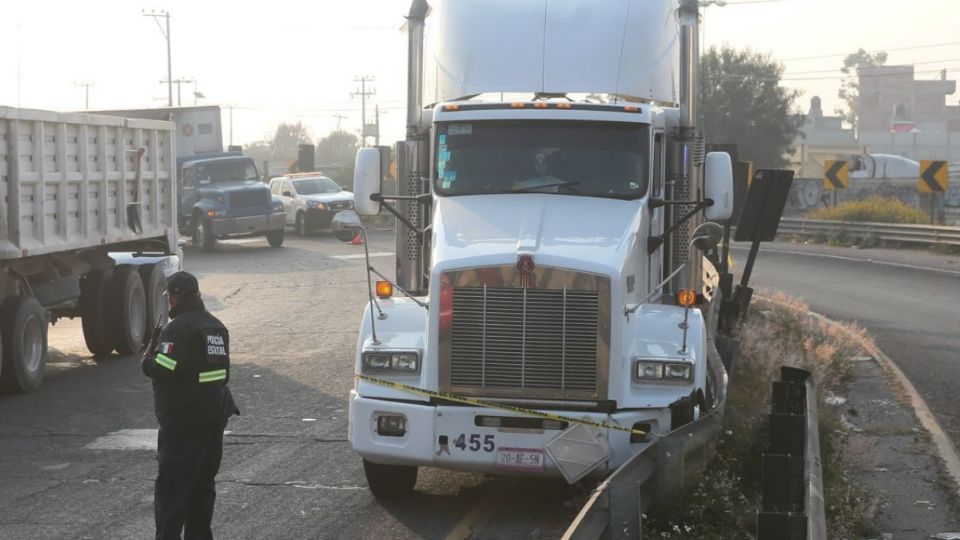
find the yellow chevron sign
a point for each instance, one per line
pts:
(934, 176)
(836, 174)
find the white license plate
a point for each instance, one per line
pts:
(520, 459)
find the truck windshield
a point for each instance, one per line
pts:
(228, 170)
(595, 159)
(312, 186)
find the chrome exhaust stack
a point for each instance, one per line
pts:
(413, 166)
(689, 150)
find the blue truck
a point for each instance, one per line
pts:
(220, 194)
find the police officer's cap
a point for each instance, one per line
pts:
(183, 283)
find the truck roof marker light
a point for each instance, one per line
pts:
(518, 105)
(564, 106)
(687, 297)
(631, 108)
(541, 105)
(451, 107)
(384, 289)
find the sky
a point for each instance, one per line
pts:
(289, 61)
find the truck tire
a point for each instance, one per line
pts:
(128, 310)
(275, 238)
(300, 227)
(203, 234)
(390, 481)
(93, 311)
(154, 285)
(24, 328)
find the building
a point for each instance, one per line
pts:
(902, 115)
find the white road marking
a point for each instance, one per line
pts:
(361, 255)
(126, 439)
(854, 259)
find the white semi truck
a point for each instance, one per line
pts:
(79, 193)
(548, 272)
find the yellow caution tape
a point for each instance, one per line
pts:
(495, 405)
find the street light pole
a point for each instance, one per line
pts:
(166, 34)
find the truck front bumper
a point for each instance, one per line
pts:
(428, 427)
(250, 225)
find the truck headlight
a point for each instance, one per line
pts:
(216, 213)
(662, 370)
(278, 207)
(391, 362)
(316, 205)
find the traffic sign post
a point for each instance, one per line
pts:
(934, 179)
(836, 174)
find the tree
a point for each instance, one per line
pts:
(283, 147)
(850, 86)
(743, 103)
(337, 152)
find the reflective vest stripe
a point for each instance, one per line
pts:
(210, 376)
(165, 361)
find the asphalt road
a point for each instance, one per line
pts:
(908, 300)
(77, 457)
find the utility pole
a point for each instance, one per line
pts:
(376, 136)
(156, 15)
(339, 117)
(179, 82)
(86, 87)
(364, 94)
(231, 123)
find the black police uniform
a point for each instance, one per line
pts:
(190, 368)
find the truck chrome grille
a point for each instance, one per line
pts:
(525, 341)
(249, 199)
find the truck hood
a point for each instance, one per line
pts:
(584, 233)
(233, 187)
(329, 197)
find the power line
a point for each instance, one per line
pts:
(838, 55)
(891, 65)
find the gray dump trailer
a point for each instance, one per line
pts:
(77, 193)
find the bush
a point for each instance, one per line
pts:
(876, 209)
(723, 504)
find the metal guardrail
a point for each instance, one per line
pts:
(918, 234)
(656, 474)
(791, 472)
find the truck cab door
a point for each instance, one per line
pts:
(658, 159)
(290, 202)
(188, 191)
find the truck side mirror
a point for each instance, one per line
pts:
(718, 185)
(287, 194)
(367, 181)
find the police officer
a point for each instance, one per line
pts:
(189, 362)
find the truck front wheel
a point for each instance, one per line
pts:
(275, 238)
(390, 481)
(203, 234)
(24, 328)
(128, 309)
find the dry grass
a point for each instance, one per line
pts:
(875, 209)
(778, 332)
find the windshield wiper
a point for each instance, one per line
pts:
(536, 189)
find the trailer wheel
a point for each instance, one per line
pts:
(275, 238)
(128, 310)
(154, 285)
(390, 481)
(24, 329)
(94, 289)
(203, 234)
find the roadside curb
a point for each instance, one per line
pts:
(945, 448)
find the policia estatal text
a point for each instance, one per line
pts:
(189, 362)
